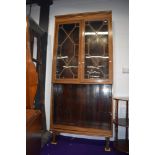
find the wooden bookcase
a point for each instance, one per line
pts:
(82, 75)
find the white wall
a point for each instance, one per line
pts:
(120, 15)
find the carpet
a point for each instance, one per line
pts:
(78, 146)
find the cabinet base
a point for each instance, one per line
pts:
(82, 131)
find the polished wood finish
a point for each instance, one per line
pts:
(82, 19)
(79, 104)
(37, 33)
(86, 15)
(33, 132)
(85, 106)
(121, 144)
(121, 98)
(33, 117)
(31, 74)
(81, 130)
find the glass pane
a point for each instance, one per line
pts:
(67, 51)
(96, 50)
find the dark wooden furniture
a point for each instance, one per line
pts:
(33, 117)
(38, 35)
(33, 132)
(82, 75)
(121, 144)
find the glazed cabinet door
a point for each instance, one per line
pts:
(83, 49)
(97, 51)
(67, 52)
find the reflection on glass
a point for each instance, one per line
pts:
(96, 33)
(96, 50)
(67, 51)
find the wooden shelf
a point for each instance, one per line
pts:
(122, 122)
(121, 98)
(122, 145)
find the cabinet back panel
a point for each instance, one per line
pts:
(83, 105)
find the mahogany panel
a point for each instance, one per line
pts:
(81, 105)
